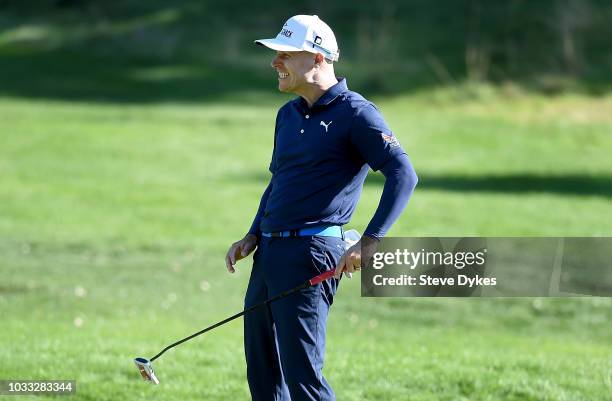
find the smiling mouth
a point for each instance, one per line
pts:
(282, 75)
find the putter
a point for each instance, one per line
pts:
(145, 366)
(146, 370)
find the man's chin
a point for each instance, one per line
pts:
(284, 86)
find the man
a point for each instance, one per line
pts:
(324, 142)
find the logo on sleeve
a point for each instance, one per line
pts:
(391, 140)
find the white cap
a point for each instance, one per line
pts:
(305, 33)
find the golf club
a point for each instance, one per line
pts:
(145, 366)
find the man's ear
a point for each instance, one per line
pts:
(319, 59)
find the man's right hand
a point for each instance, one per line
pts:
(240, 250)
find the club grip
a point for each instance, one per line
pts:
(322, 277)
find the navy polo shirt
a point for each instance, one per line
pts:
(321, 157)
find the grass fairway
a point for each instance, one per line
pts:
(115, 216)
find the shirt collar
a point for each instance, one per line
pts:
(330, 95)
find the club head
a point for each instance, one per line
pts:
(146, 370)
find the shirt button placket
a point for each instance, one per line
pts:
(307, 116)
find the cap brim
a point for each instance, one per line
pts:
(277, 45)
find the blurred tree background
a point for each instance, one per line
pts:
(386, 46)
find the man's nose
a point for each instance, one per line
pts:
(274, 63)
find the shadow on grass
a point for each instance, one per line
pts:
(95, 75)
(80, 76)
(572, 184)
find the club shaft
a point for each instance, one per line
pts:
(237, 315)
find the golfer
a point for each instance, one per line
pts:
(325, 140)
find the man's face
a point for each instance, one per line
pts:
(295, 70)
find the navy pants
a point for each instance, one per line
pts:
(285, 342)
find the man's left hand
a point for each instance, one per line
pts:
(352, 258)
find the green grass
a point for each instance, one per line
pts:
(115, 216)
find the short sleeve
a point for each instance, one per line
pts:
(373, 138)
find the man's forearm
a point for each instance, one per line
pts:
(400, 180)
(260, 211)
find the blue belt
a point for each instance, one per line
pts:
(324, 231)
